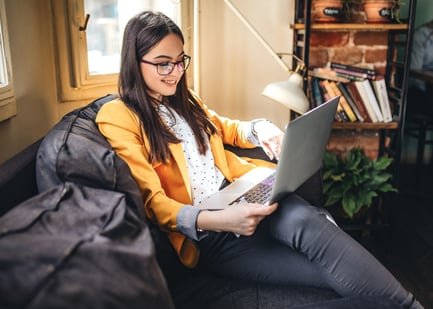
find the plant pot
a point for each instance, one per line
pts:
(378, 11)
(327, 11)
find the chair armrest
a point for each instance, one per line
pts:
(18, 178)
(310, 190)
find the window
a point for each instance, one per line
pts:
(88, 34)
(7, 95)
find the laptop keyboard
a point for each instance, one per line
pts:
(259, 194)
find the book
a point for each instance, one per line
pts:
(353, 91)
(370, 73)
(369, 99)
(325, 94)
(381, 91)
(309, 92)
(350, 101)
(340, 115)
(365, 102)
(316, 93)
(352, 75)
(343, 102)
(349, 76)
(325, 73)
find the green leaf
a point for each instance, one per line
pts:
(382, 163)
(355, 180)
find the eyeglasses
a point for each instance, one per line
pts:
(165, 68)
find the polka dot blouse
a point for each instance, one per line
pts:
(205, 178)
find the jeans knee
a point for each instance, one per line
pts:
(296, 219)
(293, 213)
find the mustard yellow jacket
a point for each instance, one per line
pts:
(166, 187)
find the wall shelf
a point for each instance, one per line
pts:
(365, 126)
(351, 26)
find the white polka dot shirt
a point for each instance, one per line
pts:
(205, 178)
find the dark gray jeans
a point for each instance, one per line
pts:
(300, 245)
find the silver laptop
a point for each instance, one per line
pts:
(304, 145)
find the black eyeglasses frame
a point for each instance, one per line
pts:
(171, 65)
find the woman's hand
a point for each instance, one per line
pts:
(241, 218)
(270, 137)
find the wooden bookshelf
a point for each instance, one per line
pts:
(351, 26)
(365, 125)
(396, 63)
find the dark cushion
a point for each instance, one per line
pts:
(78, 247)
(17, 178)
(74, 150)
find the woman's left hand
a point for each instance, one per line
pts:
(270, 137)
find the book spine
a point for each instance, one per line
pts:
(328, 74)
(381, 91)
(353, 91)
(326, 96)
(363, 94)
(349, 77)
(335, 65)
(310, 92)
(340, 115)
(351, 73)
(350, 101)
(316, 91)
(372, 99)
(343, 102)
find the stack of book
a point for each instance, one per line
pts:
(363, 93)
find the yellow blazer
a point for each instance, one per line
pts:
(166, 187)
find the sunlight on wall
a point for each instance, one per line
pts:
(234, 66)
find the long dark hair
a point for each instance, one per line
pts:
(143, 32)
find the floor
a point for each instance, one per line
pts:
(406, 248)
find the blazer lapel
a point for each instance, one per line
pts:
(179, 157)
(219, 156)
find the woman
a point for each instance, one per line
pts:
(173, 145)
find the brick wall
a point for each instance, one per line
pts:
(341, 141)
(354, 47)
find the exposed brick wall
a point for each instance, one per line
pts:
(363, 48)
(341, 141)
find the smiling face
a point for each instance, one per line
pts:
(169, 49)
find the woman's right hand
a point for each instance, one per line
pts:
(242, 218)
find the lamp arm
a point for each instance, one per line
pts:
(258, 36)
(300, 68)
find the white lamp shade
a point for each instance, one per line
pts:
(289, 93)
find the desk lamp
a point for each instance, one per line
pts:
(289, 92)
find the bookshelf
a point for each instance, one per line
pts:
(396, 72)
(397, 38)
(350, 26)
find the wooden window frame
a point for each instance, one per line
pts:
(74, 83)
(8, 107)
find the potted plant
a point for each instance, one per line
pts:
(354, 181)
(327, 10)
(332, 10)
(382, 11)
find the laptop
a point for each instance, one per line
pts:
(303, 147)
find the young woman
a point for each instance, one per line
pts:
(173, 145)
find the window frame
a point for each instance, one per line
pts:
(74, 82)
(8, 107)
